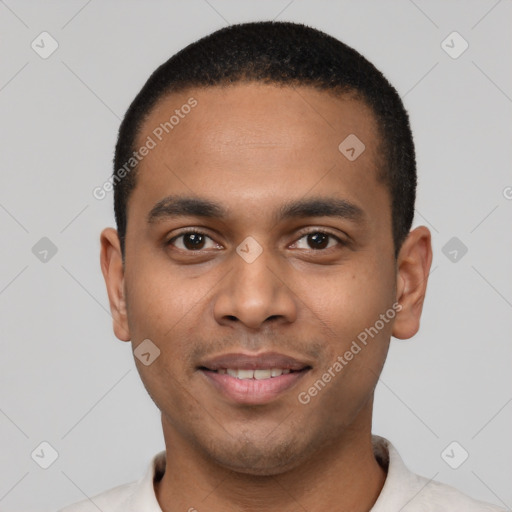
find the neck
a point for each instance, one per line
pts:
(342, 476)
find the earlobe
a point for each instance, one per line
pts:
(113, 272)
(413, 267)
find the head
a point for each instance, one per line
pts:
(291, 159)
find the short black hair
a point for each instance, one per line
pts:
(281, 53)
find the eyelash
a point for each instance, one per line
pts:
(301, 235)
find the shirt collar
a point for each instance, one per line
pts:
(144, 497)
(400, 486)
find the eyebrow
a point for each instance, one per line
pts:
(179, 206)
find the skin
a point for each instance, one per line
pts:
(252, 147)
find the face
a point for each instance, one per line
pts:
(257, 256)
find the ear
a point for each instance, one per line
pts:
(413, 267)
(113, 272)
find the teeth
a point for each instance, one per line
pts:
(245, 374)
(262, 374)
(254, 374)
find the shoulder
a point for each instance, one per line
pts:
(444, 498)
(134, 496)
(112, 500)
(406, 491)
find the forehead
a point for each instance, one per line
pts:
(255, 144)
(257, 114)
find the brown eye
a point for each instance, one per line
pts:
(191, 241)
(318, 240)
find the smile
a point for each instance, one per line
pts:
(252, 379)
(240, 373)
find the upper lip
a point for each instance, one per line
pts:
(261, 361)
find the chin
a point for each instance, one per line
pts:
(261, 457)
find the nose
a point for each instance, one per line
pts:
(255, 293)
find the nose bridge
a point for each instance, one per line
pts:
(253, 277)
(253, 291)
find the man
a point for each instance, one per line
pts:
(264, 193)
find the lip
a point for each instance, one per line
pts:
(253, 391)
(254, 361)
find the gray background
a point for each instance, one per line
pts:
(65, 378)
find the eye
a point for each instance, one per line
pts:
(319, 240)
(192, 240)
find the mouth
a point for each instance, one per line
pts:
(253, 379)
(259, 374)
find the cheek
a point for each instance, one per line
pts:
(161, 309)
(161, 300)
(167, 307)
(352, 299)
(358, 339)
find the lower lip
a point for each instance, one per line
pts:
(253, 391)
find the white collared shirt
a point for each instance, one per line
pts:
(403, 490)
